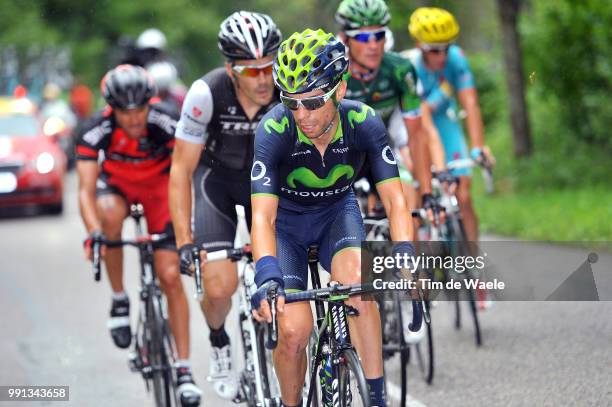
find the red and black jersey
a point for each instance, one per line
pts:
(126, 159)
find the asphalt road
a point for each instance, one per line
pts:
(52, 332)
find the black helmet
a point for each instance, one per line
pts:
(248, 35)
(127, 87)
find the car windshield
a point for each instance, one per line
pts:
(18, 125)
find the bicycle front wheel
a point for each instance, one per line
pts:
(352, 388)
(163, 383)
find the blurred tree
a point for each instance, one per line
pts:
(568, 49)
(508, 14)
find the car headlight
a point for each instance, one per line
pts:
(45, 163)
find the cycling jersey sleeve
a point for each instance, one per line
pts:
(460, 75)
(408, 81)
(196, 114)
(94, 137)
(272, 142)
(371, 138)
(162, 124)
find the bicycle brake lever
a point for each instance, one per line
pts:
(272, 328)
(199, 294)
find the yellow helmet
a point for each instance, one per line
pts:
(432, 25)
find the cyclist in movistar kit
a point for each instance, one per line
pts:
(445, 75)
(214, 144)
(308, 152)
(385, 80)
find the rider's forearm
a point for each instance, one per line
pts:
(87, 207)
(179, 195)
(434, 145)
(399, 222)
(474, 125)
(420, 157)
(263, 236)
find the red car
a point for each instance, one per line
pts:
(32, 165)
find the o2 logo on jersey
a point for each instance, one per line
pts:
(258, 171)
(387, 156)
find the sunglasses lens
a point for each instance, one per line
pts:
(290, 103)
(437, 50)
(365, 36)
(314, 103)
(252, 72)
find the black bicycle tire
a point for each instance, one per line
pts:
(459, 232)
(312, 373)
(428, 373)
(352, 366)
(404, 349)
(158, 358)
(170, 349)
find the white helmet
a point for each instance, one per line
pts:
(389, 40)
(164, 74)
(152, 38)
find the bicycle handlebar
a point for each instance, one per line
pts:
(96, 247)
(469, 163)
(234, 254)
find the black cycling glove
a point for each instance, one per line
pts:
(186, 253)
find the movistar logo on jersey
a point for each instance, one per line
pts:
(359, 117)
(309, 179)
(278, 127)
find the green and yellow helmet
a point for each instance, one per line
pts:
(309, 60)
(353, 14)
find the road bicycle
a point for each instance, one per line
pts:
(258, 384)
(400, 346)
(335, 375)
(153, 351)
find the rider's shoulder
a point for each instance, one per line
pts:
(277, 120)
(217, 79)
(102, 119)
(359, 115)
(456, 54)
(162, 110)
(395, 59)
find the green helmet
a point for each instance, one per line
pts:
(309, 60)
(354, 14)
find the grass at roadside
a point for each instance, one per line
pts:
(561, 193)
(568, 215)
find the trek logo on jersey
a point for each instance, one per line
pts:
(238, 126)
(309, 179)
(340, 150)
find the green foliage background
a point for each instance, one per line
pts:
(566, 53)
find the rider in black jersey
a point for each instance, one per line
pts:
(214, 144)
